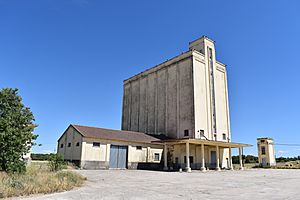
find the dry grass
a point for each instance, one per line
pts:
(38, 179)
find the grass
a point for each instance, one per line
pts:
(38, 179)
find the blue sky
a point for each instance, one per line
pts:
(69, 58)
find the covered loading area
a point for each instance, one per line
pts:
(214, 156)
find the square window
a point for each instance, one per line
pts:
(96, 144)
(69, 144)
(61, 145)
(77, 144)
(138, 147)
(156, 157)
(186, 132)
(201, 132)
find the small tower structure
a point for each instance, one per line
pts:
(266, 152)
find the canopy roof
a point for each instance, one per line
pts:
(205, 142)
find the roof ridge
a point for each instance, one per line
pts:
(109, 129)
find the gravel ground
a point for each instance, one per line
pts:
(137, 184)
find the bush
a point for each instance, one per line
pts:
(16, 166)
(56, 162)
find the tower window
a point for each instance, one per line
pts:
(69, 144)
(61, 145)
(201, 133)
(77, 144)
(263, 150)
(224, 136)
(186, 132)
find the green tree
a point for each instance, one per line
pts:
(56, 162)
(16, 131)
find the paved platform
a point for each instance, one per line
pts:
(136, 184)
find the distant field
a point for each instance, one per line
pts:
(38, 179)
(279, 165)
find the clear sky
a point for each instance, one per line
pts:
(69, 58)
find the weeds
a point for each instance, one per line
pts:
(38, 179)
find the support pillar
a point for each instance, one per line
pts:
(187, 151)
(230, 159)
(203, 159)
(165, 157)
(218, 159)
(241, 158)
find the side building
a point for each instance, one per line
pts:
(98, 148)
(266, 152)
(186, 99)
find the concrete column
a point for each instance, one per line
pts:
(148, 154)
(187, 151)
(218, 159)
(165, 157)
(107, 155)
(230, 160)
(241, 159)
(203, 159)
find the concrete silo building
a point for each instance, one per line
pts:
(186, 100)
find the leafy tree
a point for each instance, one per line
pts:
(16, 131)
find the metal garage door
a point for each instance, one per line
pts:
(118, 157)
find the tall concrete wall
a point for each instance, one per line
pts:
(161, 102)
(222, 104)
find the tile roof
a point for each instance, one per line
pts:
(110, 134)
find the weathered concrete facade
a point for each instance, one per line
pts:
(182, 97)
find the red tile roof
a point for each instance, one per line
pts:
(110, 134)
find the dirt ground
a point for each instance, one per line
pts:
(137, 184)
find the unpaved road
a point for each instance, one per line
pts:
(136, 184)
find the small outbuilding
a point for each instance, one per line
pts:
(266, 152)
(100, 148)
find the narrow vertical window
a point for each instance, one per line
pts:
(186, 132)
(263, 150)
(224, 136)
(156, 157)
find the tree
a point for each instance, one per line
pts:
(16, 131)
(56, 162)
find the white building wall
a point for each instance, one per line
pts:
(201, 105)
(221, 104)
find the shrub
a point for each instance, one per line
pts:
(56, 162)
